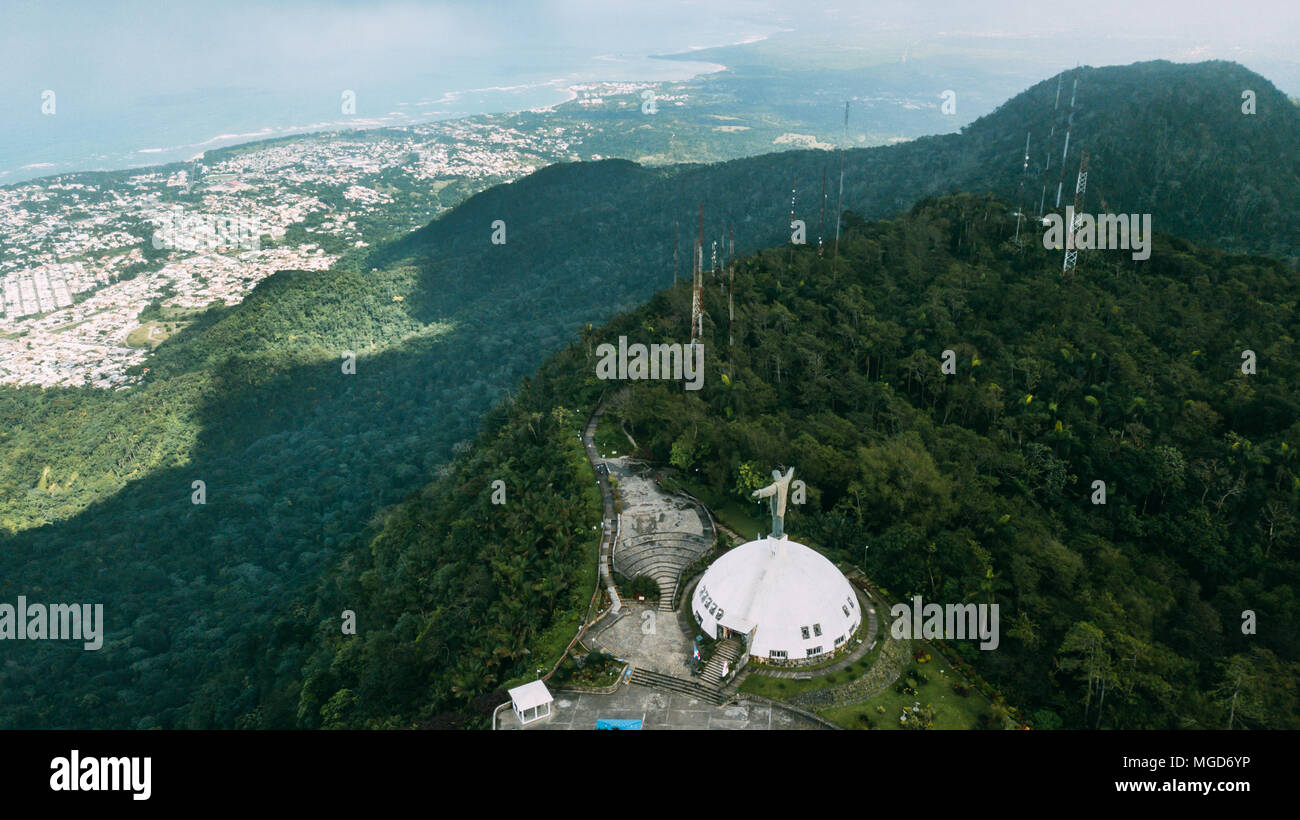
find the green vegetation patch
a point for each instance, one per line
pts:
(932, 690)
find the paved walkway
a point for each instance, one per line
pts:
(609, 521)
(659, 710)
(648, 639)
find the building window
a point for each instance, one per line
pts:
(840, 640)
(850, 600)
(846, 612)
(777, 653)
(804, 630)
(816, 650)
(817, 630)
(698, 617)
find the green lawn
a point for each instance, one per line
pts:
(746, 519)
(951, 711)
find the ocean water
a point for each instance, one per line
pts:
(140, 83)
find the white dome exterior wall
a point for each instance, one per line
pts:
(782, 587)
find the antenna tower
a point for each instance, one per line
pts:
(675, 231)
(1071, 248)
(839, 202)
(821, 221)
(1069, 123)
(1020, 206)
(731, 292)
(790, 257)
(1047, 146)
(697, 285)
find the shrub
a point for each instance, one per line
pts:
(646, 586)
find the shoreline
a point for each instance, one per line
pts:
(270, 134)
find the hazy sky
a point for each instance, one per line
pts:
(181, 43)
(146, 76)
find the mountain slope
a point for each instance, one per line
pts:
(974, 487)
(1166, 139)
(299, 457)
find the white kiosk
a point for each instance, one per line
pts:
(531, 702)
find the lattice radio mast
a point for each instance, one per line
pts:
(675, 241)
(731, 293)
(821, 221)
(697, 285)
(1020, 205)
(1047, 166)
(839, 202)
(1069, 123)
(793, 182)
(1071, 248)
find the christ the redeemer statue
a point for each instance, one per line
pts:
(778, 491)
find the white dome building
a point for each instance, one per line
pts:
(789, 603)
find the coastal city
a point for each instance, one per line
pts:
(84, 255)
(98, 268)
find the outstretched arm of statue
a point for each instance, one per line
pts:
(767, 491)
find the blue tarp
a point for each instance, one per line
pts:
(612, 723)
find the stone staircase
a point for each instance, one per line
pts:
(725, 652)
(668, 683)
(667, 590)
(662, 556)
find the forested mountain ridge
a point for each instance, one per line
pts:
(1164, 138)
(973, 487)
(299, 458)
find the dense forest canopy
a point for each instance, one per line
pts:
(971, 487)
(303, 463)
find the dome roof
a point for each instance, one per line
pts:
(794, 599)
